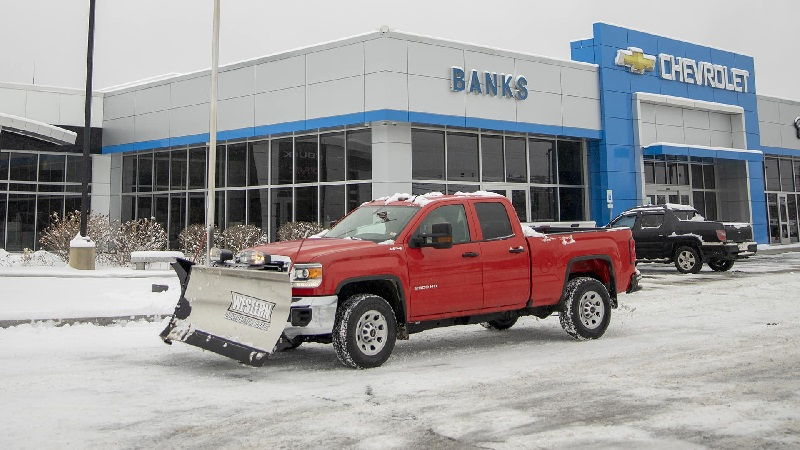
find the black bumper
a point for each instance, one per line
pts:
(728, 251)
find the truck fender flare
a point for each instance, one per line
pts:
(612, 276)
(398, 286)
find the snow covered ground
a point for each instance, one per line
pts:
(706, 360)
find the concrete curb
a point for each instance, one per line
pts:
(101, 321)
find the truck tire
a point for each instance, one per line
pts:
(688, 260)
(585, 309)
(364, 332)
(720, 265)
(500, 324)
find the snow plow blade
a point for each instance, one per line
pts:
(233, 311)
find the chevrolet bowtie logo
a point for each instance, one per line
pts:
(635, 59)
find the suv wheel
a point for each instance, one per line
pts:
(720, 265)
(688, 260)
(364, 332)
(585, 310)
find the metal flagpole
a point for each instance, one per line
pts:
(212, 129)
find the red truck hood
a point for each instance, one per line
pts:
(310, 250)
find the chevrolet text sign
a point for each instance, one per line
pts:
(686, 70)
(488, 83)
(703, 73)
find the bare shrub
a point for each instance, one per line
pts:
(138, 235)
(240, 237)
(298, 230)
(192, 241)
(62, 229)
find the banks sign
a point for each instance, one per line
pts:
(685, 70)
(488, 83)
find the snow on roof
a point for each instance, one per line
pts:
(424, 199)
(672, 206)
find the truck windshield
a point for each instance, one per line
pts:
(373, 223)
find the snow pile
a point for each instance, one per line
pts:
(387, 242)
(528, 231)
(29, 259)
(479, 194)
(81, 242)
(319, 235)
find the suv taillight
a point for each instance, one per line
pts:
(632, 249)
(722, 236)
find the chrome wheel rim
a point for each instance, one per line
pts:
(371, 332)
(592, 309)
(686, 260)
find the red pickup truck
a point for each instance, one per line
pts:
(400, 265)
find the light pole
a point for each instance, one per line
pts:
(212, 130)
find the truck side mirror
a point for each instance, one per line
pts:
(441, 236)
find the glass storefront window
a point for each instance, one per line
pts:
(424, 188)
(258, 164)
(161, 209)
(359, 154)
(492, 158)
(237, 165)
(219, 173)
(46, 206)
(280, 210)
(20, 228)
(543, 204)
(281, 161)
(796, 174)
(427, 159)
(771, 175)
(219, 209)
(709, 179)
(787, 177)
(258, 207)
(144, 170)
(236, 202)
(649, 172)
(462, 157)
(331, 157)
(161, 167)
(197, 168)
(454, 188)
(305, 200)
(332, 200)
(516, 164)
(23, 166)
(305, 154)
(570, 203)
(127, 208)
(177, 217)
(129, 173)
(774, 224)
(3, 168)
(197, 208)
(3, 208)
(542, 161)
(697, 176)
(144, 207)
(570, 163)
(178, 170)
(52, 168)
(358, 194)
(660, 169)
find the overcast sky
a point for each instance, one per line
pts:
(44, 41)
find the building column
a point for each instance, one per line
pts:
(391, 158)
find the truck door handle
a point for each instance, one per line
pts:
(519, 249)
(469, 254)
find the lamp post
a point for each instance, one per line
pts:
(82, 250)
(212, 129)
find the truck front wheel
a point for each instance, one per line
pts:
(585, 310)
(720, 265)
(364, 332)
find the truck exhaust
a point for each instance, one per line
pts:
(235, 311)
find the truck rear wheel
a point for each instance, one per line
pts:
(585, 310)
(500, 324)
(364, 332)
(720, 265)
(688, 260)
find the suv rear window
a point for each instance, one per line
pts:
(494, 220)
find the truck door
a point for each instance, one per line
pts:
(650, 236)
(504, 255)
(445, 280)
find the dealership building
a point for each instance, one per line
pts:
(309, 134)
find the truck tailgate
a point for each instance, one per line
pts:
(738, 232)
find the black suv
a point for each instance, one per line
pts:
(678, 234)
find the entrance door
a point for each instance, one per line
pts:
(660, 195)
(518, 197)
(783, 215)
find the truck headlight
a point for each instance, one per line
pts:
(307, 275)
(252, 258)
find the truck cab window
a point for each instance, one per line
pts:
(494, 220)
(651, 220)
(455, 215)
(624, 221)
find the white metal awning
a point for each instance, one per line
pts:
(37, 130)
